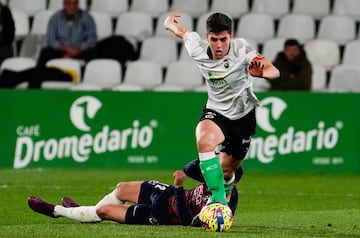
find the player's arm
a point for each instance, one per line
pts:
(183, 208)
(260, 66)
(171, 24)
(192, 170)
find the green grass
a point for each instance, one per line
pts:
(271, 204)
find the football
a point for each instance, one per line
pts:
(216, 217)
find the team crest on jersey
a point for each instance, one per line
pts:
(226, 64)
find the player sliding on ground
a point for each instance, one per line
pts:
(228, 118)
(153, 202)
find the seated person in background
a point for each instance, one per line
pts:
(295, 69)
(7, 33)
(71, 34)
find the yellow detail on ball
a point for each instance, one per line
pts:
(216, 217)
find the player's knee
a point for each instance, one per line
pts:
(120, 188)
(205, 144)
(103, 211)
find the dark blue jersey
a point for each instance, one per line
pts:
(173, 206)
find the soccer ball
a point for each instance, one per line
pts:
(216, 217)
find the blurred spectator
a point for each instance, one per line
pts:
(295, 69)
(7, 33)
(71, 34)
(35, 76)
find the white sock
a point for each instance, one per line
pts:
(82, 213)
(207, 156)
(230, 181)
(109, 199)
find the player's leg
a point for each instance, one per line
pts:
(208, 136)
(82, 213)
(229, 165)
(237, 145)
(134, 214)
(112, 212)
(128, 191)
(124, 192)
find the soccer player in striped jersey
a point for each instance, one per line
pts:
(228, 118)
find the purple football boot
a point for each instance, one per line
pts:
(40, 206)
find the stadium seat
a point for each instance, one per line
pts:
(30, 7)
(40, 22)
(100, 74)
(184, 55)
(200, 26)
(58, 4)
(181, 76)
(345, 78)
(203, 88)
(234, 8)
(352, 53)
(319, 78)
(152, 7)
(141, 75)
(307, 7)
(339, 28)
(257, 26)
(63, 63)
(32, 45)
(162, 50)
(298, 26)
(18, 64)
(136, 25)
(275, 8)
(104, 25)
(185, 20)
(347, 7)
(323, 52)
(254, 44)
(193, 8)
(22, 23)
(112, 7)
(272, 47)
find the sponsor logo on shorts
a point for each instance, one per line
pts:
(210, 115)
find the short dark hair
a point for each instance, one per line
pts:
(292, 42)
(218, 22)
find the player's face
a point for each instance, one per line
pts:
(71, 7)
(219, 43)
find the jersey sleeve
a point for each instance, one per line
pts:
(244, 49)
(184, 210)
(194, 45)
(192, 170)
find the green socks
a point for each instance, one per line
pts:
(214, 177)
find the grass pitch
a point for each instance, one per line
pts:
(271, 204)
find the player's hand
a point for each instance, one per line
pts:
(171, 24)
(256, 69)
(171, 20)
(179, 177)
